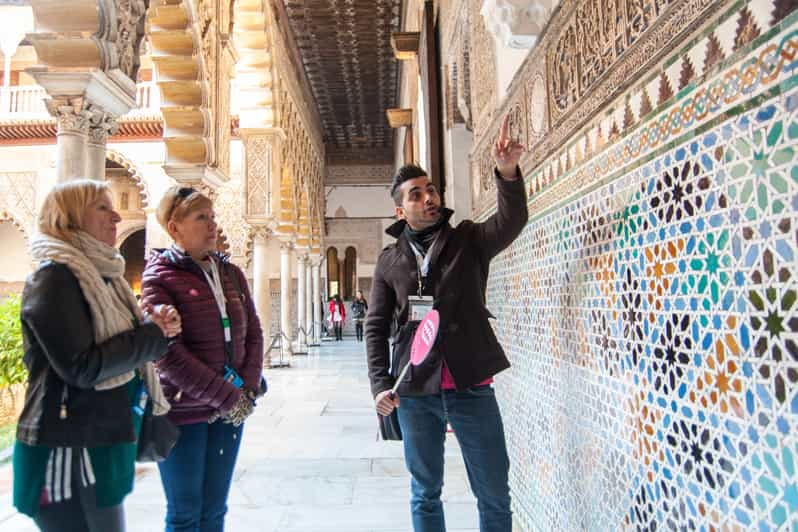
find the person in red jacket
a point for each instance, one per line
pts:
(212, 370)
(337, 316)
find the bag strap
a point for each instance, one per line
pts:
(236, 284)
(228, 355)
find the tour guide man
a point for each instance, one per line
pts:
(433, 265)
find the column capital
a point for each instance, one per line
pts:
(101, 125)
(261, 232)
(71, 113)
(516, 23)
(286, 246)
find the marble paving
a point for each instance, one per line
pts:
(309, 461)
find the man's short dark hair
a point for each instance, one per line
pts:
(405, 173)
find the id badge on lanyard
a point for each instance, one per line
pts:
(419, 304)
(215, 282)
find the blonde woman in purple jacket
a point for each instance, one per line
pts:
(212, 371)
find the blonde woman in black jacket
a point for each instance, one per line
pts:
(88, 349)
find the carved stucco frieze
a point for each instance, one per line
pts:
(482, 57)
(591, 51)
(222, 110)
(597, 33)
(259, 176)
(129, 35)
(231, 218)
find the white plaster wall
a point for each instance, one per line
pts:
(39, 159)
(457, 146)
(359, 201)
(15, 262)
(508, 62)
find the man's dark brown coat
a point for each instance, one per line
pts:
(458, 276)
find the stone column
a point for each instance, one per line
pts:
(102, 125)
(316, 294)
(261, 289)
(285, 297)
(302, 338)
(309, 297)
(72, 136)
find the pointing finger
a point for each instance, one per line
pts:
(503, 130)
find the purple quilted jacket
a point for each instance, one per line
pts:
(192, 370)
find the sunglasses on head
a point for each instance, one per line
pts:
(182, 194)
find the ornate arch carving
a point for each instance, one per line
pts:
(6, 216)
(133, 172)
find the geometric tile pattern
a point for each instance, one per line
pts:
(652, 323)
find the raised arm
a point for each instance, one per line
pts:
(499, 231)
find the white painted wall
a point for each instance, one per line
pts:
(457, 146)
(359, 201)
(508, 61)
(15, 262)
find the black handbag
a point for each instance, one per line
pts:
(389, 426)
(157, 436)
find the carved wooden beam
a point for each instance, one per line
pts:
(399, 117)
(405, 44)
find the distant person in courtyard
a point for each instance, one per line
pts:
(359, 308)
(435, 265)
(212, 372)
(337, 316)
(88, 352)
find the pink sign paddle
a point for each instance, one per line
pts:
(423, 341)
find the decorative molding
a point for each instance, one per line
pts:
(359, 174)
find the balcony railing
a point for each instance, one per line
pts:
(28, 101)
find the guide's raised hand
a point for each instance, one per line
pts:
(506, 152)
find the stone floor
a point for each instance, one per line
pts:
(309, 461)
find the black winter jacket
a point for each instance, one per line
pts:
(64, 364)
(458, 277)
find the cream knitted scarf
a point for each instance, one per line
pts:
(113, 306)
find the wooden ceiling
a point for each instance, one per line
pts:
(345, 47)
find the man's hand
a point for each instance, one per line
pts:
(386, 402)
(506, 152)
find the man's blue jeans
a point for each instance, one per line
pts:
(475, 418)
(196, 476)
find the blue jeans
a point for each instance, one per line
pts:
(197, 474)
(475, 418)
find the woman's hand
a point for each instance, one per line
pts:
(166, 318)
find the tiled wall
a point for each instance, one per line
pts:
(650, 307)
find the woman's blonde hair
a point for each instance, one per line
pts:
(62, 212)
(178, 202)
